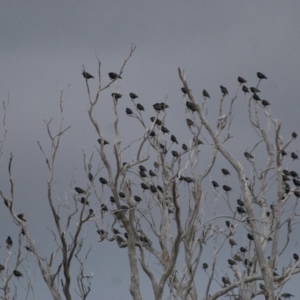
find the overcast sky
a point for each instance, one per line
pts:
(45, 43)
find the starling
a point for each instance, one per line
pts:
(190, 122)
(2, 268)
(197, 141)
(79, 190)
(17, 273)
(245, 89)
(232, 242)
(157, 107)
(248, 155)
(144, 186)
(236, 257)
(254, 90)
(101, 232)
(286, 172)
(296, 256)
(87, 75)
(285, 178)
(160, 188)
(157, 122)
(112, 199)
(175, 153)
(191, 106)
(294, 156)
(116, 231)
(189, 179)
(205, 266)
(184, 90)
(103, 180)
(143, 174)
(152, 174)
(275, 274)
(91, 177)
(153, 189)
(228, 224)
(133, 95)
(241, 80)
(121, 195)
(225, 172)
(129, 111)
(104, 142)
(156, 165)
(140, 106)
(261, 75)
(126, 235)
(227, 188)
(205, 94)
(268, 214)
(287, 295)
(296, 182)
(84, 201)
(116, 96)
(152, 133)
(142, 168)
(225, 280)
(250, 237)
(9, 241)
(215, 184)
(294, 135)
(124, 207)
(120, 240)
(21, 217)
(137, 199)
(163, 105)
(243, 250)
(240, 210)
(240, 202)
(91, 213)
(165, 129)
(173, 139)
(231, 262)
(283, 153)
(256, 97)
(104, 207)
(294, 174)
(113, 76)
(184, 147)
(265, 103)
(223, 90)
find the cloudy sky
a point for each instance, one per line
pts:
(44, 45)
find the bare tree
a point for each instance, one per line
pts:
(164, 208)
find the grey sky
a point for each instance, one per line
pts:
(44, 45)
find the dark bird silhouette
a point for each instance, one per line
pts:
(104, 142)
(287, 295)
(9, 241)
(248, 155)
(173, 139)
(204, 266)
(103, 180)
(184, 147)
(236, 257)
(190, 123)
(245, 89)
(241, 80)
(215, 184)
(152, 133)
(294, 156)
(157, 122)
(140, 107)
(137, 199)
(250, 237)
(268, 214)
(79, 190)
(243, 250)
(228, 224)
(294, 135)
(226, 281)
(143, 174)
(91, 213)
(254, 90)
(286, 172)
(285, 178)
(160, 188)
(223, 90)
(205, 94)
(160, 106)
(112, 199)
(120, 240)
(91, 177)
(133, 95)
(256, 97)
(231, 262)
(126, 235)
(116, 95)
(232, 242)
(156, 165)
(122, 195)
(227, 188)
(87, 75)
(164, 105)
(152, 174)
(265, 103)
(84, 201)
(225, 172)
(142, 168)
(175, 153)
(104, 207)
(153, 189)
(164, 129)
(18, 273)
(189, 179)
(240, 210)
(261, 75)
(184, 90)
(113, 75)
(124, 207)
(296, 256)
(294, 174)
(102, 232)
(116, 231)
(21, 217)
(2, 268)
(296, 182)
(129, 111)
(144, 186)
(240, 202)
(197, 141)
(191, 106)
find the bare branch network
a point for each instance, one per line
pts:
(195, 219)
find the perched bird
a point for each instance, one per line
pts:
(152, 133)
(296, 256)
(102, 232)
(21, 217)
(240, 202)
(87, 75)
(144, 186)
(143, 174)
(241, 80)
(104, 142)
(265, 103)
(164, 129)
(205, 94)
(157, 122)
(294, 135)
(137, 199)
(296, 182)
(285, 178)
(116, 95)
(223, 90)
(231, 262)
(189, 179)
(228, 224)
(254, 90)
(236, 257)
(197, 141)
(227, 188)
(225, 172)
(256, 97)
(250, 237)
(153, 189)
(156, 165)
(116, 231)
(240, 210)
(204, 266)
(128, 111)
(126, 235)
(245, 89)
(152, 174)
(163, 105)
(133, 95)
(248, 155)
(142, 168)
(104, 207)
(184, 147)
(294, 174)
(2, 268)
(18, 273)
(84, 201)
(286, 172)
(287, 295)
(120, 240)
(113, 75)
(243, 250)
(226, 281)
(214, 184)
(261, 75)
(112, 199)
(103, 180)
(190, 122)
(232, 242)
(91, 177)
(191, 106)
(184, 90)
(140, 106)
(9, 241)
(175, 153)
(79, 190)
(121, 195)
(173, 139)
(160, 188)
(91, 213)
(124, 207)
(294, 156)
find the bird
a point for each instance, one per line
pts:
(228, 224)
(91, 177)
(79, 190)
(160, 188)
(287, 295)
(18, 273)
(243, 250)
(113, 75)
(121, 195)
(173, 139)
(254, 90)
(91, 213)
(240, 202)
(140, 106)
(241, 80)
(175, 154)
(225, 280)
(296, 182)
(104, 207)
(143, 174)
(103, 180)
(126, 235)
(296, 256)
(112, 199)
(184, 90)
(214, 184)
(225, 172)
(286, 172)
(204, 266)
(128, 111)
(223, 90)
(144, 186)
(152, 133)
(240, 210)
(250, 237)
(191, 106)
(153, 189)
(84, 201)
(245, 89)
(189, 179)
(261, 75)
(157, 122)
(142, 168)
(156, 165)
(184, 147)
(248, 155)
(87, 75)
(256, 97)
(120, 240)
(152, 174)
(197, 141)
(265, 103)
(231, 262)
(294, 174)
(205, 94)
(294, 156)
(190, 122)
(104, 142)
(102, 232)
(9, 241)
(232, 242)
(133, 95)
(164, 129)
(21, 217)
(116, 96)
(236, 257)
(2, 268)
(285, 178)
(227, 188)
(294, 135)
(116, 231)
(137, 199)
(124, 207)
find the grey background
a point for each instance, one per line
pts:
(43, 47)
